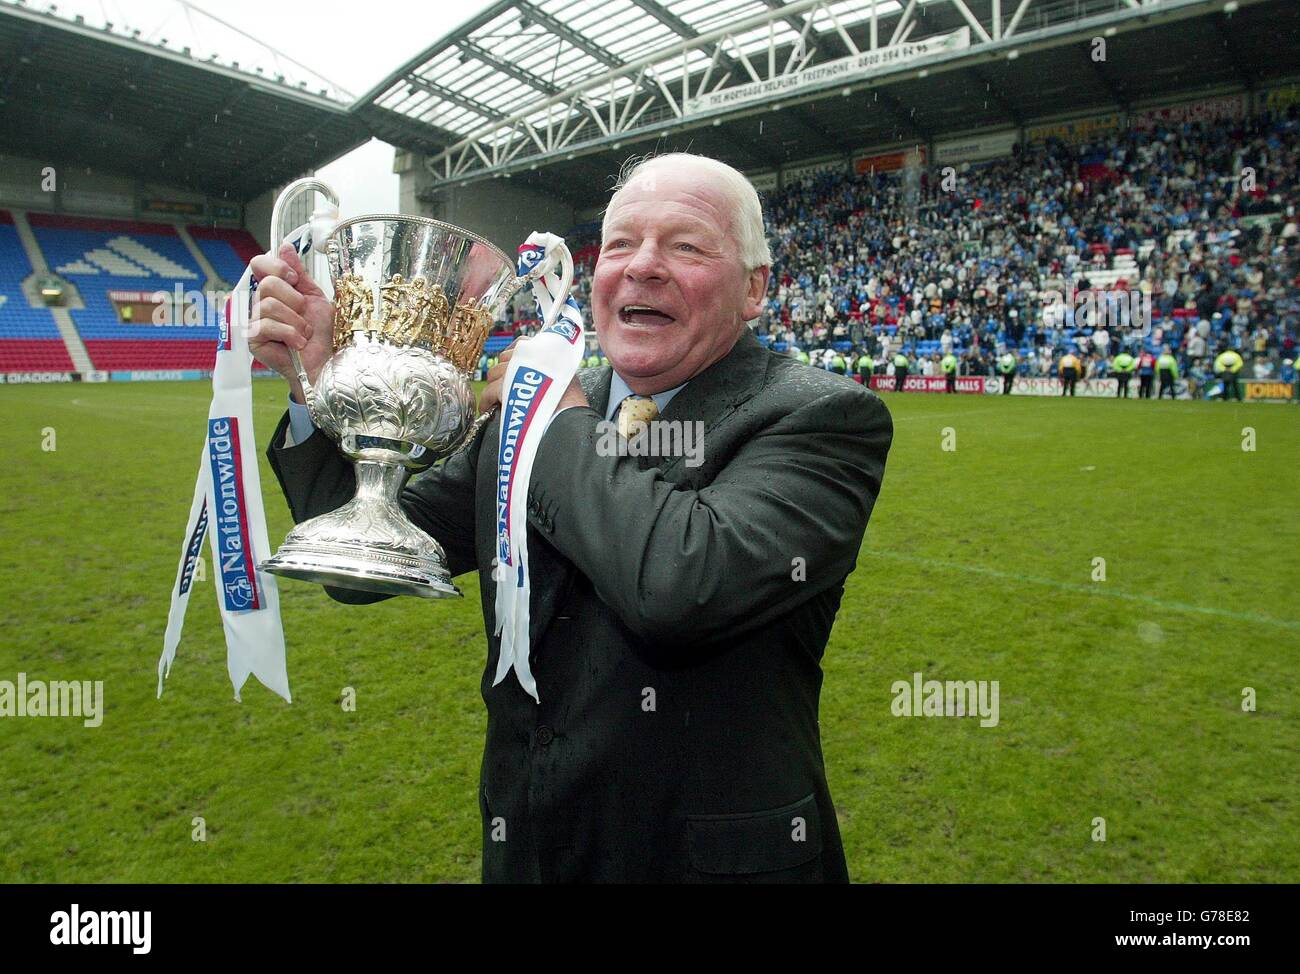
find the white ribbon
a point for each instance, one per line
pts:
(227, 507)
(537, 375)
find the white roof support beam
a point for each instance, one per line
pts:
(903, 21)
(975, 25)
(1015, 18)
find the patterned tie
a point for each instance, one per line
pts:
(634, 413)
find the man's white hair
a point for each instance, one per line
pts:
(746, 211)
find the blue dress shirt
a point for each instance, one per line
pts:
(301, 428)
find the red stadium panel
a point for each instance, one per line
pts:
(61, 221)
(117, 353)
(34, 355)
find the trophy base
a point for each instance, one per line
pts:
(368, 544)
(341, 568)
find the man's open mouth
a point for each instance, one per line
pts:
(643, 314)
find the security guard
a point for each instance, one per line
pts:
(1007, 366)
(864, 367)
(949, 366)
(1167, 367)
(838, 365)
(1070, 367)
(802, 356)
(1226, 367)
(1123, 367)
(900, 370)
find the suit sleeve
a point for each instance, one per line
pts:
(316, 479)
(685, 567)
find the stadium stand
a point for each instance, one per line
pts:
(228, 251)
(1154, 213)
(859, 266)
(29, 339)
(100, 256)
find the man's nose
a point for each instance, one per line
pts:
(646, 264)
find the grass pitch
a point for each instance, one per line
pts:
(1119, 699)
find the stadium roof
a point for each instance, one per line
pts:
(110, 98)
(556, 92)
(518, 54)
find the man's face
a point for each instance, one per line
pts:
(670, 291)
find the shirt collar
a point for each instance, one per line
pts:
(618, 391)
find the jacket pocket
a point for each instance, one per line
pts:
(756, 842)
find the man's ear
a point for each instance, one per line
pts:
(756, 290)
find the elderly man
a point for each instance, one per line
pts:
(679, 612)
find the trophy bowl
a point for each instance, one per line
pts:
(414, 300)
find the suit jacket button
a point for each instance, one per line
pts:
(545, 735)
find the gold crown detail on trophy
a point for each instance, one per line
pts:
(412, 312)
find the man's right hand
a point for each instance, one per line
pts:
(289, 311)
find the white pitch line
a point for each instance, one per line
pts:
(1088, 590)
(919, 416)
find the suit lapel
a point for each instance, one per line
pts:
(715, 393)
(595, 384)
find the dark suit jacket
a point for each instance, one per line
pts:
(676, 641)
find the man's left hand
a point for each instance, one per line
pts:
(573, 396)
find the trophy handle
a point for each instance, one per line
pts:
(322, 220)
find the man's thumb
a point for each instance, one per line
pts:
(289, 254)
(301, 279)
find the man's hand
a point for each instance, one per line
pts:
(289, 311)
(573, 396)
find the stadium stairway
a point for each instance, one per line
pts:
(228, 252)
(77, 350)
(1123, 267)
(200, 258)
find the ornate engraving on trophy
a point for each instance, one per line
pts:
(412, 312)
(353, 308)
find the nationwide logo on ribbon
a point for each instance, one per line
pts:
(566, 325)
(530, 255)
(226, 512)
(522, 399)
(537, 375)
(238, 575)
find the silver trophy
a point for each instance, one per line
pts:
(414, 300)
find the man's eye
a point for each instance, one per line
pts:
(687, 246)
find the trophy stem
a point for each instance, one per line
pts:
(379, 481)
(369, 543)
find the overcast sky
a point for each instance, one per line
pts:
(353, 43)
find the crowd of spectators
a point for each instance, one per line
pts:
(999, 256)
(1021, 254)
